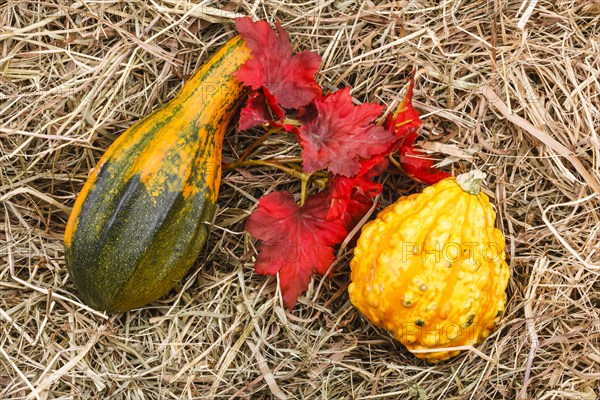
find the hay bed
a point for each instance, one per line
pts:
(510, 86)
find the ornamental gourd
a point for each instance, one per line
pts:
(431, 268)
(142, 217)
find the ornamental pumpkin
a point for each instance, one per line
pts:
(431, 268)
(142, 218)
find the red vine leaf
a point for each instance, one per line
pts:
(259, 110)
(351, 197)
(296, 241)
(340, 134)
(255, 112)
(289, 78)
(351, 210)
(405, 119)
(404, 123)
(417, 165)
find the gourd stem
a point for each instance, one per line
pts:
(471, 182)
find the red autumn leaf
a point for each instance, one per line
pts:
(340, 134)
(417, 165)
(307, 113)
(255, 112)
(350, 197)
(405, 119)
(259, 109)
(404, 123)
(343, 190)
(296, 241)
(273, 105)
(289, 78)
(354, 209)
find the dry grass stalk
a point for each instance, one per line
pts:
(73, 75)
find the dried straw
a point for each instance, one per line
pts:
(511, 87)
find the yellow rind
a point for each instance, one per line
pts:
(422, 270)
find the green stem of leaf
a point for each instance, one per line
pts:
(303, 186)
(289, 121)
(290, 170)
(393, 161)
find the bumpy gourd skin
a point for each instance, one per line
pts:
(431, 269)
